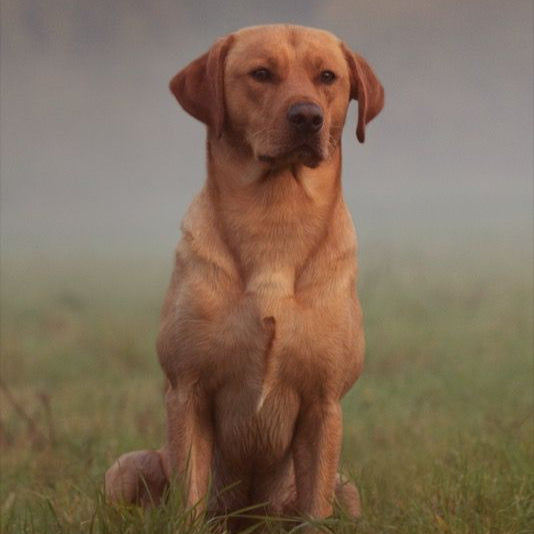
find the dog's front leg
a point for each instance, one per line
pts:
(316, 450)
(190, 441)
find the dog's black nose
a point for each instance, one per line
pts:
(306, 117)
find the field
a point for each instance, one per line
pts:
(439, 431)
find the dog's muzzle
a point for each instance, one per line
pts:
(305, 121)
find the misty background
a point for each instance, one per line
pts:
(97, 156)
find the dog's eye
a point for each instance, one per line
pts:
(327, 77)
(262, 75)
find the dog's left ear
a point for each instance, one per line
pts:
(366, 89)
(199, 88)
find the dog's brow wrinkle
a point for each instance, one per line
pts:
(272, 62)
(317, 62)
(293, 38)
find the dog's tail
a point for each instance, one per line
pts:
(269, 325)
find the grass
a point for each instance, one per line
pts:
(439, 431)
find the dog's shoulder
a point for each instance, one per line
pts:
(202, 245)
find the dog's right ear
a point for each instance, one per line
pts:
(199, 88)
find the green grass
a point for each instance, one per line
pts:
(439, 431)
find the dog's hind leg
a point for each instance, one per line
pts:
(136, 477)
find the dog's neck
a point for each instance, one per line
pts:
(271, 219)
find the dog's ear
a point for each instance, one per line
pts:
(366, 89)
(199, 88)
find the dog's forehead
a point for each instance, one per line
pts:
(273, 40)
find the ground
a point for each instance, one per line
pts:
(438, 431)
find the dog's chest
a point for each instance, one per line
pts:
(269, 327)
(262, 337)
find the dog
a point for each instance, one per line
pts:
(261, 329)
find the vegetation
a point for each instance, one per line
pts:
(438, 431)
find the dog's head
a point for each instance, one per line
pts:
(280, 92)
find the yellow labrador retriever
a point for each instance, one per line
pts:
(261, 330)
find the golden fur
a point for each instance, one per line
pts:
(261, 330)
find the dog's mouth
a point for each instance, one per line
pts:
(305, 154)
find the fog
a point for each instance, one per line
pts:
(97, 155)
